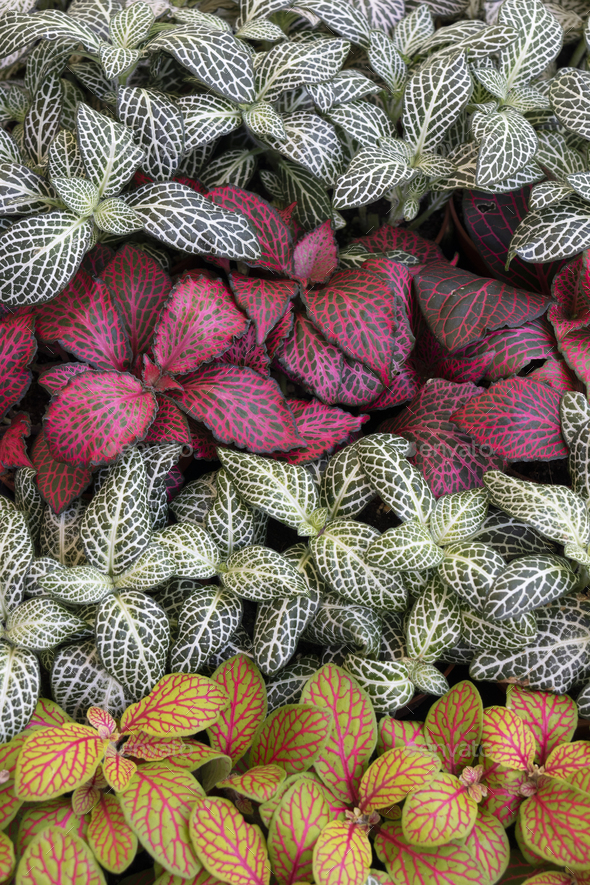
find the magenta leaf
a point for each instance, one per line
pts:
(507, 351)
(13, 448)
(357, 312)
(17, 349)
(198, 323)
(241, 407)
(447, 457)
(403, 386)
(246, 352)
(58, 376)
(322, 427)
(109, 411)
(58, 483)
(141, 288)
(491, 221)
(316, 254)
(169, 425)
(461, 308)
(517, 419)
(263, 301)
(575, 349)
(278, 333)
(202, 441)
(358, 386)
(387, 238)
(400, 279)
(310, 361)
(174, 482)
(95, 261)
(433, 360)
(271, 231)
(571, 291)
(557, 374)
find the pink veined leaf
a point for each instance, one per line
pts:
(512, 349)
(234, 730)
(109, 410)
(388, 238)
(401, 733)
(490, 220)
(341, 855)
(169, 425)
(400, 279)
(440, 812)
(149, 748)
(101, 719)
(17, 349)
(271, 231)
(226, 845)
(557, 374)
(56, 378)
(87, 325)
(48, 714)
(403, 386)
(575, 349)
(278, 333)
(321, 427)
(293, 737)
(395, 774)
(13, 448)
(55, 813)
(112, 841)
(302, 814)
(517, 418)
(241, 407)
(198, 323)
(506, 739)
(316, 255)
(432, 360)
(454, 724)
(571, 291)
(246, 352)
(556, 823)
(504, 797)
(78, 290)
(288, 216)
(174, 482)
(552, 718)
(489, 843)
(141, 289)
(309, 360)
(263, 301)
(58, 483)
(356, 311)
(150, 372)
(95, 261)
(358, 385)
(202, 440)
(460, 307)
(566, 761)
(259, 783)
(343, 760)
(447, 457)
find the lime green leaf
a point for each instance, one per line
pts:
(453, 724)
(259, 783)
(179, 704)
(556, 823)
(301, 814)
(552, 718)
(506, 739)
(292, 737)
(489, 843)
(394, 775)
(55, 761)
(60, 856)
(341, 854)
(236, 726)
(114, 844)
(439, 813)
(226, 845)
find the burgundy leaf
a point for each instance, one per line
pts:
(322, 427)
(316, 254)
(490, 221)
(271, 231)
(279, 332)
(571, 291)
(174, 482)
(169, 425)
(57, 377)
(246, 352)
(58, 483)
(288, 216)
(557, 374)
(575, 349)
(358, 386)
(150, 372)
(108, 410)
(432, 360)
(141, 288)
(17, 349)
(510, 350)
(199, 323)
(202, 441)
(404, 385)
(263, 301)
(461, 308)
(387, 238)
(79, 288)
(518, 418)
(13, 448)
(95, 261)
(88, 325)
(400, 278)
(310, 361)
(241, 407)
(448, 458)
(357, 312)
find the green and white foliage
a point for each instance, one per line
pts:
(259, 573)
(206, 622)
(60, 534)
(434, 622)
(392, 476)
(386, 682)
(194, 501)
(286, 686)
(79, 680)
(27, 498)
(159, 459)
(338, 623)
(231, 522)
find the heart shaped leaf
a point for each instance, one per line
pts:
(263, 301)
(506, 739)
(394, 775)
(177, 705)
(59, 483)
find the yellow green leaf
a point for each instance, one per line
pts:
(234, 731)
(212, 765)
(55, 813)
(552, 718)
(293, 736)
(489, 843)
(440, 812)
(454, 724)
(506, 739)
(113, 842)
(259, 783)
(556, 823)
(401, 733)
(341, 855)
(150, 749)
(226, 845)
(179, 704)
(7, 859)
(566, 760)
(48, 714)
(57, 760)
(58, 856)
(300, 817)
(118, 771)
(393, 775)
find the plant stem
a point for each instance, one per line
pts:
(579, 53)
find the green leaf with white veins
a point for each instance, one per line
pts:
(428, 678)
(117, 61)
(406, 547)
(16, 556)
(471, 568)
(207, 621)
(79, 681)
(132, 639)
(434, 622)
(158, 126)
(110, 154)
(456, 517)
(372, 173)
(231, 522)
(207, 117)
(22, 191)
(558, 231)
(290, 65)
(116, 526)
(386, 61)
(394, 479)
(42, 121)
(184, 220)
(78, 194)
(42, 623)
(79, 585)
(65, 160)
(414, 30)
(364, 122)
(159, 459)
(153, 567)
(579, 462)
(262, 119)
(554, 511)
(116, 217)
(337, 622)
(340, 18)
(386, 682)
(60, 534)
(478, 631)
(194, 501)
(510, 537)
(311, 141)
(261, 30)
(433, 100)
(251, 9)
(40, 255)
(570, 100)
(345, 490)
(191, 548)
(260, 573)
(283, 491)
(231, 167)
(528, 583)
(340, 553)
(286, 688)
(21, 681)
(28, 499)
(130, 26)
(508, 142)
(540, 37)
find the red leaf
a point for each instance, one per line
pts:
(279, 332)
(510, 350)
(56, 378)
(517, 418)
(387, 238)
(322, 427)
(359, 386)
(241, 407)
(447, 457)
(288, 216)
(174, 482)
(461, 308)
(17, 349)
(109, 411)
(357, 312)
(271, 231)
(571, 290)
(58, 483)
(557, 375)
(316, 254)
(575, 349)
(202, 441)
(95, 261)
(13, 448)
(169, 425)
(197, 324)
(403, 386)
(434, 361)
(141, 288)
(310, 361)
(246, 352)
(490, 221)
(263, 301)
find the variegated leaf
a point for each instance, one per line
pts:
(193, 552)
(158, 127)
(539, 41)
(16, 556)
(434, 622)
(80, 585)
(345, 490)
(40, 624)
(79, 681)
(22, 191)
(234, 167)
(60, 534)
(207, 117)
(433, 99)
(394, 479)
(312, 142)
(510, 537)
(261, 574)
(471, 568)
(385, 59)
(55, 852)
(151, 569)
(528, 583)
(109, 153)
(371, 174)
(508, 143)
(231, 522)
(130, 26)
(290, 65)
(207, 620)
(457, 517)
(302, 812)
(286, 687)
(480, 632)
(406, 547)
(337, 622)
(42, 121)
(21, 678)
(386, 682)
(535, 237)
(196, 499)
